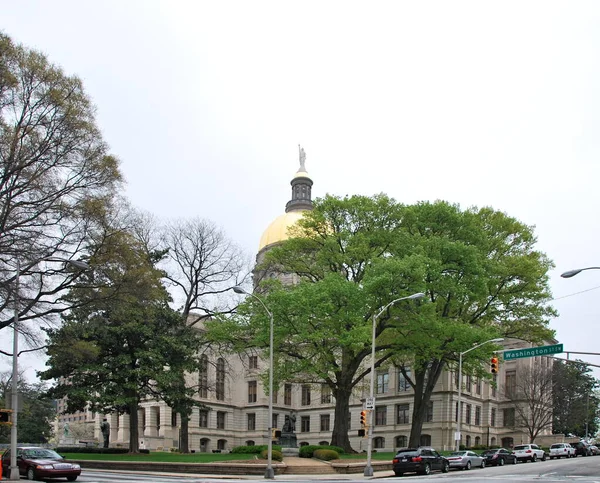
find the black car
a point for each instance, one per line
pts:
(499, 457)
(419, 460)
(582, 448)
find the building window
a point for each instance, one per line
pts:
(468, 383)
(220, 420)
(429, 415)
(456, 412)
(509, 417)
(203, 377)
(252, 391)
(510, 383)
(222, 444)
(456, 379)
(468, 414)
(324, 422)
(493, 418)
(468, 441)
(478, 386)
(325, 394)
(305, 424)
(252, 362)
(380, 415)
(275, 421)
(220, 385)
(287, 395)
(251, 422)
(425, 440)
(402, 416)
(250, 443)
(401, 441)
(382, 383)
(379, 442)
(173, 418)
(274, 396)
(203, 420)
(403, 384)
(306, 395)
(477, 441)
(477, 415)
(508, 442)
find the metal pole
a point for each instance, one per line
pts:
(369, 467)
(269, 472)
(14, 469)
(587, 415)
(457, 437)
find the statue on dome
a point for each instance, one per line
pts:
(302, 158)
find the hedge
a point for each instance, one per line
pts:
(256, 449)
(326, 454)
(308, 450)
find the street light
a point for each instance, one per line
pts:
(572, 273)
(269, 472)
(14, 470)
(369, 467)
(460, 386)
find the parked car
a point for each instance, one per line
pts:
(595, 450)
(465, 460)
(582, 448)
(499, 457)
(419, 460)
(529, 452)
(562, 450)
(41, 463)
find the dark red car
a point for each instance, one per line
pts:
(41, 463)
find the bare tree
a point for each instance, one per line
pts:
(531, 395)
(56, 178)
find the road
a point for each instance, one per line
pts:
(582, 470)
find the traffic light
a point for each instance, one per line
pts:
(363, 418)
(5, 416)
(494, 365)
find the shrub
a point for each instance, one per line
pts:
(308, 450)
(275, 455)
(90, 449)
(257, 449)
(326, 454)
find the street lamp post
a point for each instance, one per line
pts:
(460, 356)
(369, 467)
(572, 273)
(269, 472)
(14, 470)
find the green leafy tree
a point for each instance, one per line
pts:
(575, 398)
(56, 179)
(352, 256)
(36, 414)
(123, 343)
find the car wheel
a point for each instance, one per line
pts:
(534, 458)
(426, 469)
(468, 465)
(501, 462)
(71, 478)
(515, 460)
(31, 474)
(398, 473)
(445, 467)
(552, 457)
(544, 457)
(482, 464)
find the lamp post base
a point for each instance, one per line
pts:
(368, 471)
(269, 473)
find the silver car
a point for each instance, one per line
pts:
(465, 460)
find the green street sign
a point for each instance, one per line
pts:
(544, 350)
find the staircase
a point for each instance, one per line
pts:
(306, 466)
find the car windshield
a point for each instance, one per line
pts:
(490, 451)
(517, 448)
(37, 453)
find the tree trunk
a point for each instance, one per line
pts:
(339, 436)
(426, 377)
(134, 440)
(184, 433)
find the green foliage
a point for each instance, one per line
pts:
(256, 449)
(352, 256)
(90, 450)
(275, 455)
(308, 450)
(326, 454)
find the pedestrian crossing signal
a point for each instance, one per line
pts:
(494, 365)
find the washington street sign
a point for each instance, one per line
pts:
(544, 350)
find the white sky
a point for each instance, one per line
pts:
(478, 103)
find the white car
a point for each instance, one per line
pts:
(529, 452)
(562, 450)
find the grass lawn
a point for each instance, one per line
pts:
(363, 456)
(160, 456)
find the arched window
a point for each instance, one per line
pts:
(220, 389)
(468, 441)
(323, 443)
(493, 442)
(507, 442)
(477, 441)
(249, 443)
(379, 442)
(203, 376)
(401, 441)
(222, 444)
(304, 443)
(425, 440)
(204, 442)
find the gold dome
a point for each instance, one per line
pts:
(277, 231)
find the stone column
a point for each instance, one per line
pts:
(123, 436)
(150, 426)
